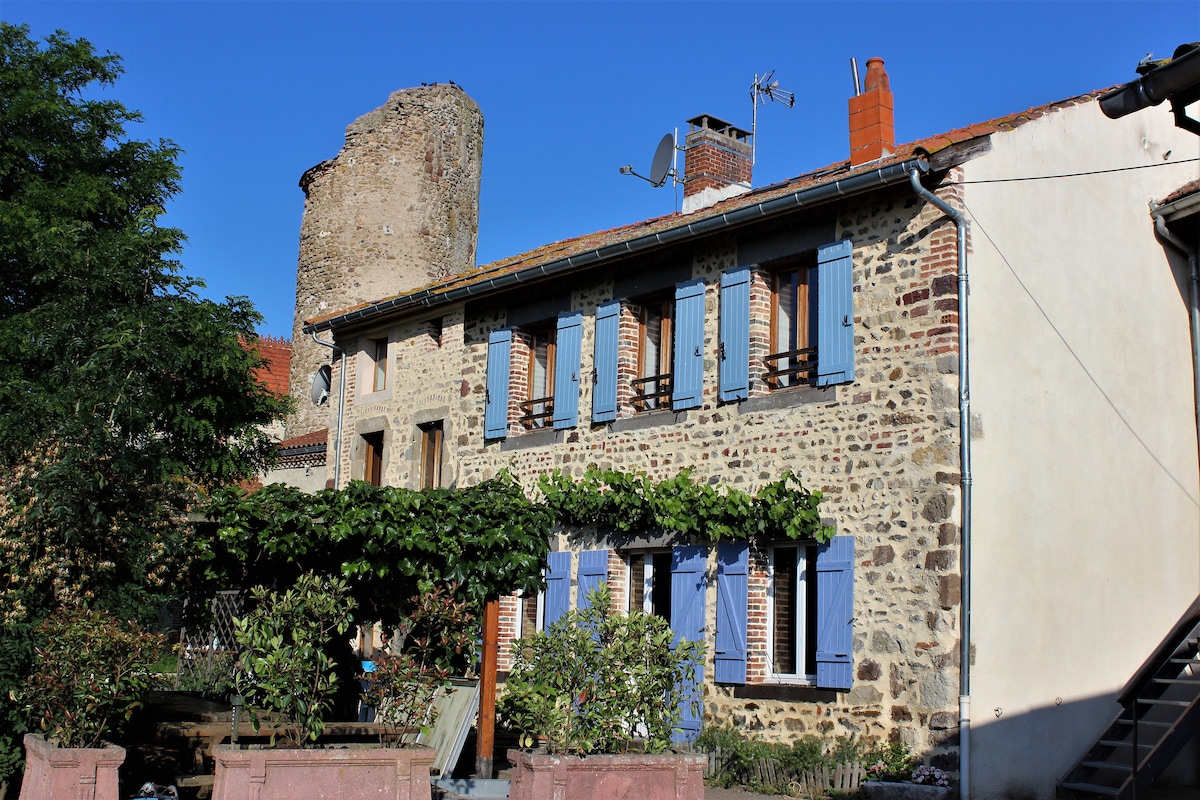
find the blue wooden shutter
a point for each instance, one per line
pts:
(688, 565)
(835, 613)
(733, 569)
(495, 413)
(688, 364)
(558, 587)
(604, 388)
(735, 334)
(593, 570)
(568, 340)
(835, 313)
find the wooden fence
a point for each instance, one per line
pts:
(770, 772)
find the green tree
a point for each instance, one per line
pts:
(122, 392)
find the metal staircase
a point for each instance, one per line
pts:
(1160, 714)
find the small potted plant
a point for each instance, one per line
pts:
(89, 674)
(895, 774)
(602, 691)
(287, 676)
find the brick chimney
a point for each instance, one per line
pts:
(717, 162)
(872, 128)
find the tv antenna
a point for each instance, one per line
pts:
(662, 165)
(763, 91)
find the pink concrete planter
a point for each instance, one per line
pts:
(606, 777)
(375, 773)
(65, 772)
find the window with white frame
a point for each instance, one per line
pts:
(792, 611)
(377, 350)
(650, 582)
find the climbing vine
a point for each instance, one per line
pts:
(391, 544)
(630, 502)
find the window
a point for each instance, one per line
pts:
(650, 582)
(656, 346)
(538, 409)
(793, 357)
(539, 369)
(792, 602)
(808, 630)
(431, 455)
(529, 615)
(373, 458)
(809, 335)
(669, 359)
(378, 350)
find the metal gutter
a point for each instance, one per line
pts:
(1177, 81)
(804, 198)
(964, 427)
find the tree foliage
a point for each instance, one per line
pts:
(122, 392)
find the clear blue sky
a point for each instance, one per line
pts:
(258, 92)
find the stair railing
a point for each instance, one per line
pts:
(1133, 689)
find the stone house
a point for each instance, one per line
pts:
(1024, 493)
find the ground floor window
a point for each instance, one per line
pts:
(792, 605)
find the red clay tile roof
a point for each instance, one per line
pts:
(276, 368)
(578, 246)
(306, 440)
(1182, 191)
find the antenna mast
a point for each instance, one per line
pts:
(764, 90)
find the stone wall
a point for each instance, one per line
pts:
(396, 209)
(883, 450)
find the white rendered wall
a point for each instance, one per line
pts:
(1086, 495)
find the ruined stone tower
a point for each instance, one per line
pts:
(396, 209)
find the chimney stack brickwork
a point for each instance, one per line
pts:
(872, 123)
(718, 162)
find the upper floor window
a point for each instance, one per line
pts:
(656, 346)
(793, 357)
(537, 409)
(533, 377)
(809, 336)
(378, 351)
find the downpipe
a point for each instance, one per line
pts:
(337, 437)
(1160, 226)
(964, 425)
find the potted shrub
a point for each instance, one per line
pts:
(89, 675)
(895, 774)
(287, 677)
(601, 691)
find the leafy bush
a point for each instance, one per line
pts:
(209, 673)
(889, 762)
(596, 681)
(89, 674)
(285, 668)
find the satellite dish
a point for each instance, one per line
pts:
(662, 160)
(320, 385)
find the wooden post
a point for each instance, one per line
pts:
(485, 740)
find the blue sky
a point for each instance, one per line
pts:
(258, 92)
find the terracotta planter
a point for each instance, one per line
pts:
(377, 773)
(883, 790)
(67, 772)
(606, 777)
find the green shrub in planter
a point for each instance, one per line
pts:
(599, 681)
(285, 669)
(89, 674)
